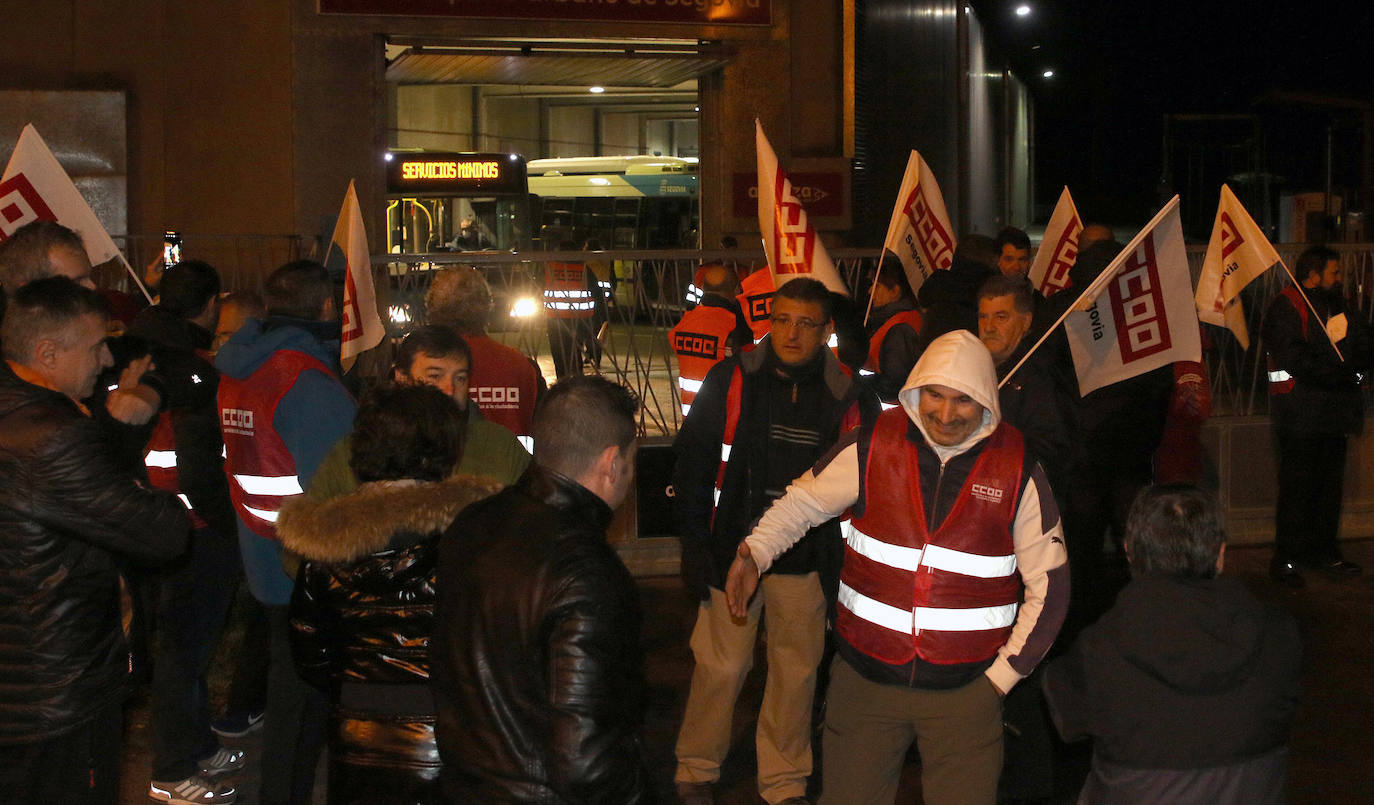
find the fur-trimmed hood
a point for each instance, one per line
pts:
(365, 521)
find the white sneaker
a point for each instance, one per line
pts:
(194, 790)
(223, 761)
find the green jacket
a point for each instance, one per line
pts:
(490, 451)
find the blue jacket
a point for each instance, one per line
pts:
(312, 416)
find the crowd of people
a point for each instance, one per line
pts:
(441, 609)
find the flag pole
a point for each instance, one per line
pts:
(1298, 286)
(873, 286)
(137, 280)
(1046, 335)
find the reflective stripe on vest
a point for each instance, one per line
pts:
(279, 485)
(566, 293)
(261, 471)
(1280, 381)
(919, 619)
(948, 597)
(161, 459)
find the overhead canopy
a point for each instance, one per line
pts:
(653, 63)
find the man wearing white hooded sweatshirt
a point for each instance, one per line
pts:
(954, 583)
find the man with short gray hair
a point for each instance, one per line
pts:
(69, 513)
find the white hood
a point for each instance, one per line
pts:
(958, 360)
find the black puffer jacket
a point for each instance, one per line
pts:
(363, 606)
(67, 513)
(362, 615)
(538, 671)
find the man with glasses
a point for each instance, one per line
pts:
(761, 419)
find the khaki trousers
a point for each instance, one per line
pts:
(794, 612)
(869, 727)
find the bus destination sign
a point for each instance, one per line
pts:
(434, 173)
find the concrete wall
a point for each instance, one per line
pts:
(1240, 451)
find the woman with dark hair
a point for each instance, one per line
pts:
(363, 608)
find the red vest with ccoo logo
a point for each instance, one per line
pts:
(911, 318)
(698, 340)
(262, 473)
(503, 383)
(756, 300)
(947, 597)
(160, 459)
(566, 293)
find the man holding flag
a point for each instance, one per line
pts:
(1132, 321)
(1315, 406)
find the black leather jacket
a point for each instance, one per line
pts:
(68, 512)
(538, 670)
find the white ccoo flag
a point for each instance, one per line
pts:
(1237, 254)
(36, 188)
(1138, 314)
(792, 245)
(1058, 249)
(919, 232)
(362, 326)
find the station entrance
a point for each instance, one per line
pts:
(607, 132)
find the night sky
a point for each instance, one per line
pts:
(1121, 66)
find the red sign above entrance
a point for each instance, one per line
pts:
(822, 194)
(699, 12)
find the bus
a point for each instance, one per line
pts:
(622, 202)
(497, 202)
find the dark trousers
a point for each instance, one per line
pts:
(1308, 513)
(567, 340)
(297, 718)
(80, 767)
(192, 603)
(1098, 497)
(248, 686)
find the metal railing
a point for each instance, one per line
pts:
(649, 296)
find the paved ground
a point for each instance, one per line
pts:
(1331, 743)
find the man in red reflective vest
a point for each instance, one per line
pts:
(1316, 405)
(708, 333)
(756, 301)
(894, 332)
(953, 586)
(570, 304)
(503, 382)
(282, 408)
